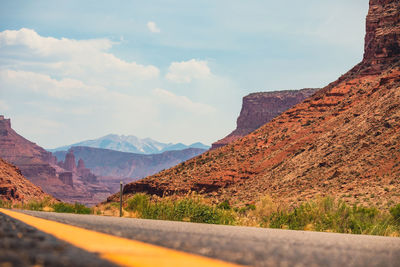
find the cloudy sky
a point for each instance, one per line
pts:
(175, 71)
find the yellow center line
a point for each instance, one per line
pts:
(122, 251)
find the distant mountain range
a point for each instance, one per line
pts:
(112, 166)
(131, 144)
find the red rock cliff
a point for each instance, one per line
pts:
(31, 159)
(260, 108)
(15, 187)
(382, 42)
(69, 163)
(39, 166)
(84, 172)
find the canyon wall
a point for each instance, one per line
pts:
(40, 167)
(260, 108)
(15, 187)
(112, 166)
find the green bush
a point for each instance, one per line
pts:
(82, 209)
(328, 215)
(186, 209)
(224, 205)
(395, 212)
(71, 208)
(138, 202)
(63, 207)
(35, 205)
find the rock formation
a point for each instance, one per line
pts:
(84, 172)
(32, 160)
(81, 165)
(342, 141)
(39, 167)
(382, 43)
(69, 162)
(260, 108)
(111, 166)
(66, 178)
(15, 187)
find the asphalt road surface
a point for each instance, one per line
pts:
(246, 245)
(22, 245)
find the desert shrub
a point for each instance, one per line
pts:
(35, 205)
(333, 216)
(189, 209)
(71, 208)
(138, 202)
(224, 205)
(81, 209)
(5, 204)
(321, 214)
(395, 212)
(246, 209)
(63, 207)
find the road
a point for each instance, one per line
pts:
(22, 245)
(246, 245)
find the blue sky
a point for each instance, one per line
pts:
(175, 71)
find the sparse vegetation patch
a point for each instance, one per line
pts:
(322, 214)
(47, 204)
(190, 209)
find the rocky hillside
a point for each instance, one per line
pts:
(112, 166)
(342, 141)
(40, 167)
(15, 187)
(260, 108)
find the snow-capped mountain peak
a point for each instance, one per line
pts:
(132, 144)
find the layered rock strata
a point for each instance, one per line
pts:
(15, 187)
(112, 166)
(39, 167)
(260, 108)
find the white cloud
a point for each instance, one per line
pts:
(152, 26)
(49, 46)
(186, 71)
(86, 60)
(76, 91)
(182, 102)
(83, 109)
(43, 84)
